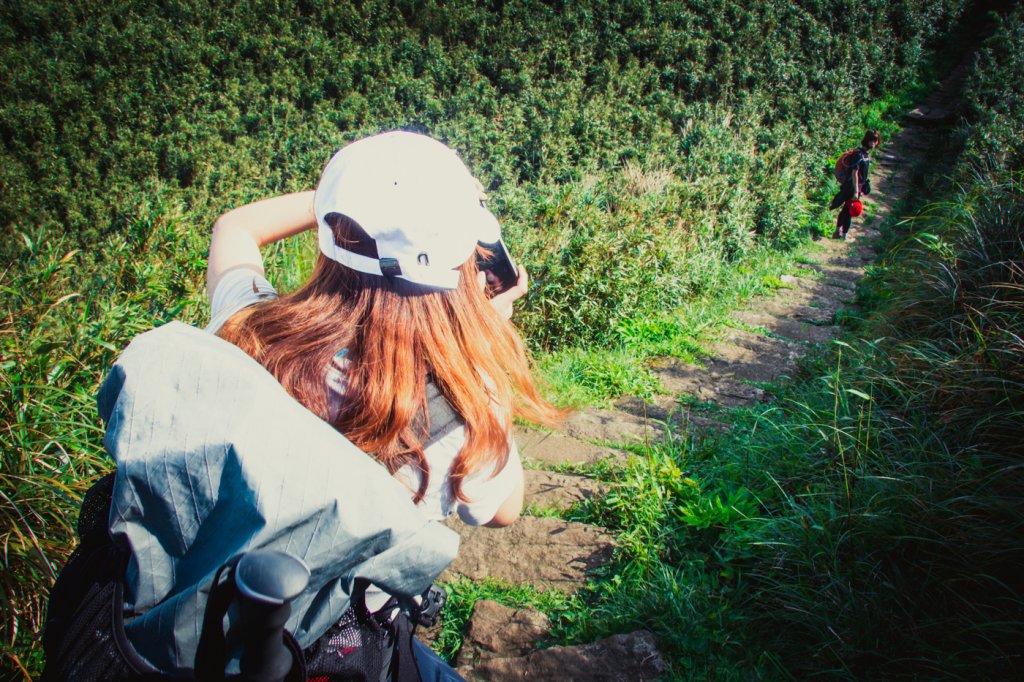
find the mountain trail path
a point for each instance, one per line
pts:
(549, 553)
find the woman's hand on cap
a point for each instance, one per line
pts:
(503, 302)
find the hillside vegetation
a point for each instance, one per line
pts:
(868, 522)
(631, 148)
(638, 154)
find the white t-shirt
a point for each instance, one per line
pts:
(243, 287)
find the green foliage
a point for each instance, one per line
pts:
(593, 377)
(642, 157)
(993, 101)
(660, 336)
(63, 326)
(629, 141)
(867, 524)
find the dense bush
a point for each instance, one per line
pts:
(632, 149)
(993, 106)
(733, 102)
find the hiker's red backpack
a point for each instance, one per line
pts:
(845, 163)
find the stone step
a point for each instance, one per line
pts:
(855, 257)
(845, 277)
(740, 358)
(754, 357)
(709, 383)
(637, 421)
(612, 426)
(786, 327)
(814, 286)
(825, 298)
(549, 490)
(667, 413)
(547, 553)
(498, 631)
(811, 311)
(501, 644)
(560, 448)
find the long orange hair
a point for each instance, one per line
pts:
(396, 334)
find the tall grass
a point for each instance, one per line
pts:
(63, 326)
(869, 523)
(636, 152)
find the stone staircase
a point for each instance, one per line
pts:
(550, 553)
(762, 343)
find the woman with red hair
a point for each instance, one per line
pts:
(394, 340)
(395, 305)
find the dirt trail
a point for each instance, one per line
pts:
(549, 553)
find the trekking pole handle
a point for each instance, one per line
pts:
(267, 582)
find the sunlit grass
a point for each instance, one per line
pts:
(64, 324)
(782, 549)
(597, 375)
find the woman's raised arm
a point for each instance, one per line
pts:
(239, 233)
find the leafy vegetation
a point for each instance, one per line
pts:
(867, 524)
(631, 150)
(644, 158)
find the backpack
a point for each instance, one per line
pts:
(84, 636)
(170, 446)
(845, 163)
(85, 641)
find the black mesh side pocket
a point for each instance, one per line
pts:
(353, 649)
(84, 638)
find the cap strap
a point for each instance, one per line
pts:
(390, 267)
(412, 272)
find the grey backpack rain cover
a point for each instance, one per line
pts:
(214, 459)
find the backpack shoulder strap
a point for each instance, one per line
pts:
(94, 514)
(441, 416)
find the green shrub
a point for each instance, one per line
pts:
(636, 152)
(225, 104)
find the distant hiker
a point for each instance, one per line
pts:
(851, 171)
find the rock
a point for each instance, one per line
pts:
(621, 658)
(559, 448)
(546, 489)
(429, 635)
(497, 631)
(544, 552)
(612, 426)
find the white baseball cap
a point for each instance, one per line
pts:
(415, 198)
